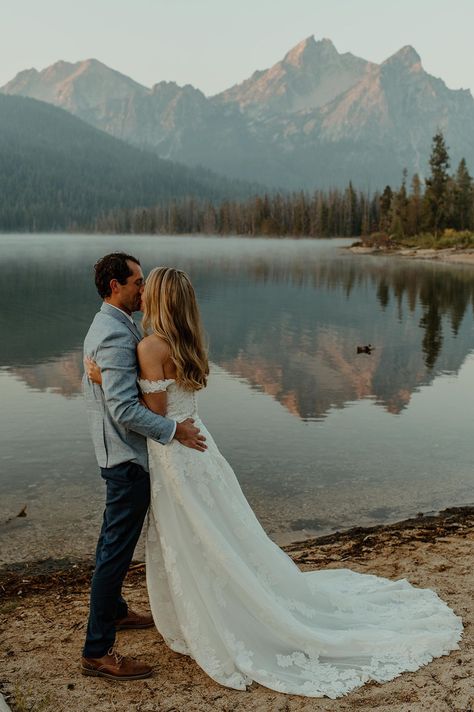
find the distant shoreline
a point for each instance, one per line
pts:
(449, 255)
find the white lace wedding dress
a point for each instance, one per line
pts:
(222, 592)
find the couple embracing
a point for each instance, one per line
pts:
(220, 590)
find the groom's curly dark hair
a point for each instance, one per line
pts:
(112, 266)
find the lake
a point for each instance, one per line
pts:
(320, 437)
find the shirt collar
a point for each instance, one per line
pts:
(123, 312)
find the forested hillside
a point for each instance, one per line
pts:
(57, 172)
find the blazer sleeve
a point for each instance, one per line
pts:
(116, 357)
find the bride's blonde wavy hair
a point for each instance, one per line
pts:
(170, 311)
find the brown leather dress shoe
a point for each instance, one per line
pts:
(115, 667)
(134, 620)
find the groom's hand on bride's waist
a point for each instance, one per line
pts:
(190, 436)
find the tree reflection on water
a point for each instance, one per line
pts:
(287, 321)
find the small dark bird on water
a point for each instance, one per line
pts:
(365, 349)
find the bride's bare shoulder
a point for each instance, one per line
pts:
(154, 347)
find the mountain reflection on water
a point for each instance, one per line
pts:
(285, 316)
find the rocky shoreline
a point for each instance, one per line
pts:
(68, 575)
(43, 608)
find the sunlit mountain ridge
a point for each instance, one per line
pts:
(317, 118)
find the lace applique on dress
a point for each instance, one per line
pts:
(147, 386)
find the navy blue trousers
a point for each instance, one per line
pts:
(126, 504)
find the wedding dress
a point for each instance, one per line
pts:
(223, 593)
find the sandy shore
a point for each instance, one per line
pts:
(449, 256)
(43, 610)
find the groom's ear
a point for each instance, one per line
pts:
(114, 286)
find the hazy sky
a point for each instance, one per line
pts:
(213, 44)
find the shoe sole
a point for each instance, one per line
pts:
(134, 627)
(98, 673)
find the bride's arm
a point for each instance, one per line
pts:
(95, 375)
(152, 354)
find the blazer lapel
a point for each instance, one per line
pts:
(121, 316)
(136, 331)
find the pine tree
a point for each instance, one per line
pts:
(385, 208)
(350, 208)
(399, 209)
(436, 195)
(365, 225)
(415, 207)
(463, 197)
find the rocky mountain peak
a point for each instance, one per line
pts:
(172, 89)
(310, 74)
(57, 71)
(309, 50)
(22, 82)
(406, 57)
(89, 66)
(74, 86)
(92, 69)
(93, 63)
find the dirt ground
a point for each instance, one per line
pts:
(43, 610)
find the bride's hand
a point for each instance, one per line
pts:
(190, 436)
(92, 370)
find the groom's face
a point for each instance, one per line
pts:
(130, 293)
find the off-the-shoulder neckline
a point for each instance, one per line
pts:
(159, 380)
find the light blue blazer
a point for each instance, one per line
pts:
(119, 423)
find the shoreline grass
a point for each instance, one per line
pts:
(448, 239)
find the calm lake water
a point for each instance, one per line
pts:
(321, 438)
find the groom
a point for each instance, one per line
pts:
(120, 425)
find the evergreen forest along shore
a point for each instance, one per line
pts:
(437, 213)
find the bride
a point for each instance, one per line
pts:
(220, 590)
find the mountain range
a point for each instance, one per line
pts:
(315, 119)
